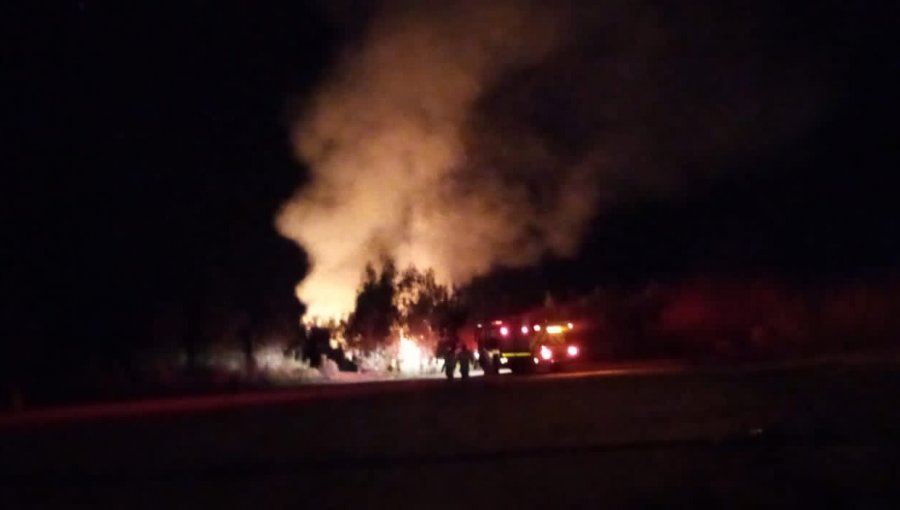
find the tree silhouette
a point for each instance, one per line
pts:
(411, 301)
(375, 313)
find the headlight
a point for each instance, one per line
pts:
(572, 350)
(546, 353)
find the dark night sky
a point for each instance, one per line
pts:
(149, 155)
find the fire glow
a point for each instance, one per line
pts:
(409, 355)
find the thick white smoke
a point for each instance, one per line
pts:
(384, 137)
(467, 135)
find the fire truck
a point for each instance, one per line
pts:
(525, 347)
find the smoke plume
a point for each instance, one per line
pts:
(469, 135)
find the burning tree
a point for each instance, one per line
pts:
(375, 313)
(408, 309)
(427, 308)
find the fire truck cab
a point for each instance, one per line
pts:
(524, 347)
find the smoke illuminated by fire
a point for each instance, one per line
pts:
(463, 136)
(384, 140)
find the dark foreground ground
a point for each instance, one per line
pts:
(822, 435)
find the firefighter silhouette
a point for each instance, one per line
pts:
(464, 358)
(447, 351)
(455, 352)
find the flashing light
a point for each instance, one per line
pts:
(504, 361)
(546, 353)
(524, 330)
(572, 350)
(537, 327)
(554, 330)
(570, 325)
(536, 361)
(504, 331)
